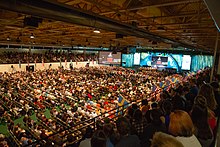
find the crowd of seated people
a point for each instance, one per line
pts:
(74, 96)
(178, 120)
(26, 57)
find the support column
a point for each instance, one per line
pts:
(218, 69)
(216, 47)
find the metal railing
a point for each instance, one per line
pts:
(113, 114)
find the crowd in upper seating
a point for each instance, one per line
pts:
(26, 57)
(72, 97)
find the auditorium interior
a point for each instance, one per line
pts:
(109, 73)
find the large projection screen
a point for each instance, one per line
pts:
(107, 57)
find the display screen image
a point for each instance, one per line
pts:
(106, 57)
(127, 60)
(137, 58)
(159, 61)
(201, 61)
(186, 62)
(145, 59)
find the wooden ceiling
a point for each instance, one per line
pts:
(187, 21)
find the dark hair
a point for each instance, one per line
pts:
(144, 102)
(137, 115)
(207, 91)
(123, 125)
(108, 129)
(88, 133)
(98, 139)
(154, 105)
(166, 107)
(199, 117)
(134, 106)
(155, 115)
(70, 138)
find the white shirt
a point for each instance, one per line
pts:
(189, 141)
(85, 143)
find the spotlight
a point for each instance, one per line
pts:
(8, 38)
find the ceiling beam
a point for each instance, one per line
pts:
(165, 4)
(154, 5)
(168, 16)
(181, 24)
(197, 28)
(61, 12)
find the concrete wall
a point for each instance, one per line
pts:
(40, 66)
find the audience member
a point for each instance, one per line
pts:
(126, 139)
(99, 139)
(181, 126)
(199, 117)
(155, 125)
(164, 140)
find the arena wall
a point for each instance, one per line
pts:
(40, 66)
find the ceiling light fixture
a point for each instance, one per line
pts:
(8, 38)
(32, 36)
(96, 31)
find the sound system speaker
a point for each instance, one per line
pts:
(32, 21)
(119, 36)
(134, 23)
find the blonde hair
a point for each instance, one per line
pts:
(181, 124)
(207, 91)
(164, 140)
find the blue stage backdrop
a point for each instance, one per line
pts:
(201, 61)
(127, 60)
(174, 60)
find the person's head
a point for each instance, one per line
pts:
(155, 115)
(215, 85)
(134, 106)
(200, 100)
(88, 133)
(137, 115)
(193, 81)
(180, 124)
(166, 107)
(70, 138)
(199, 117)
(185, 90)
(98, 139)
(207, 91)
(154, 105)
(144, 102)
(108, 129)
(123, 126)
(199, 112)
(164, 140)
